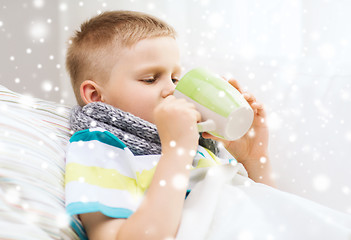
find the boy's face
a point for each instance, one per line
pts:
(143, 76)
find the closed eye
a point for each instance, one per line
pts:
(151, 80)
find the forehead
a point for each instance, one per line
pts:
(162, 52)
(149, 48)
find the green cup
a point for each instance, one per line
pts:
(224, 111)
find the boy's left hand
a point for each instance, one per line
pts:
(254, 144)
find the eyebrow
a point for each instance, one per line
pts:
(154, 68)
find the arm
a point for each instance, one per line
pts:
(159, 214)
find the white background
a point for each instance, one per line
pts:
(294, 55)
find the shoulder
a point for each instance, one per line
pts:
(99, 148)
(97, 134)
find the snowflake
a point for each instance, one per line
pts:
(27, 101)
(348, 136)
(263, 160)
(192, 153)
(60, 110)
(321, 182)
(38, 3)
(274, 121)
(221, 94)
(38, 30)
(162, 183)
(62, 220)
(251, 76)
(180, 151)
(91, 145)
(12, 196)
(44, 165)
(346, 190)
(93, 123)
(63, 7)
(111, 154)
(46, 86)
(172, 143)
(84, 199)
(80, 142)
(180, 181)
(151, 6)
(292, 138)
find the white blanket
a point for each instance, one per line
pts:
(226, 204)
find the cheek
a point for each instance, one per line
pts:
(145, 100)
(144, 104)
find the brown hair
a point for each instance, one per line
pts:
(89, 50)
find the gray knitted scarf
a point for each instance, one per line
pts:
(140, 136)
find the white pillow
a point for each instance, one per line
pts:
(33, 138)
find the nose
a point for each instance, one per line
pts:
(168, 88)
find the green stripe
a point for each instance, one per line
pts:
(104, 137)
(102, 177)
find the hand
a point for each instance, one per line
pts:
(176, 121)
(254, 144)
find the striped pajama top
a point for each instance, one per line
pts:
(103, 175)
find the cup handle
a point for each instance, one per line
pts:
(206, 126)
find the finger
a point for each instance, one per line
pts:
(186, 104)
(206, 135)
(235, 84)
(197, 115)
(259, 109)
(255, 106)
(180, 102)
(250, 98)
(261, 112)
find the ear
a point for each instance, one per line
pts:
(90, 92)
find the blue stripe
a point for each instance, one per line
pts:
(81, 208)
(187, 193)
(232, 159)
(201, 154)
(78, 228)
(104, 137)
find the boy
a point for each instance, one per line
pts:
(119, 177)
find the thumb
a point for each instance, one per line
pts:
(210, 136)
